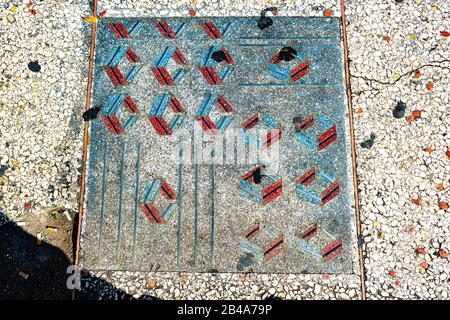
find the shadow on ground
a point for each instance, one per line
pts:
(29, 271)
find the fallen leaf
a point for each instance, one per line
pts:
(429, 150)
(13, 9)
(29, 4)
(443, 205)
(90, 19)
(184, 277)
(392, 273)
(191, 13)
(445, 33)
(411, 229)
(397, 282)
(151, 283)
(429, 85)
(424, 265)
(420, 251)
(274, 12)
(327, 13)
(411, 36)
(442, 253)
(242, 277)
(359, 110)
(447, 153)
(417, 201)
(417, 74)
(440, 186)
(387, 38)
(326, 276)
(15, 163)
(395, 76)
(101, 14)
(416, 113)
(27, 205)
(410, 118)
(33, 12)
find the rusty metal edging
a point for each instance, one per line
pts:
(352, 139)
(86, 139)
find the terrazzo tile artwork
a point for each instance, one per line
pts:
(219, 146)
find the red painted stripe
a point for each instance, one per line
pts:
(211, 30)
(206, 75)
(167, 192)
(272, 191)
(175, 105)
(249, 175)
(273, 248)
(131, 56)
(114, 30)
(306, 123)
(331, 250)
(308, 177)
(275, 59)
(252, 231)
(309, 233)
(228, 58)
(331, 194)
(301, 70)
(160, 126)
(223, 104)
(168, 30)
(326, 142)
(158, 76)
(208, 126)
(109, 125)
(162, 30)
(122, 30)
(251, 122)
(272, 137)
(179, 57)
(327, 134)
(129, 105)
(152, 213)
(166, 76)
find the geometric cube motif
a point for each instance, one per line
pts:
(267, 190)
(120, 32)
(156, 209)
(118, 120)
(290, 71)
(316, 134)
(210, 126)
(319, 244)
(325, 189)
(159, 107)
(262, 242)
(213, 71)
(165, 71)
(254, 138)
(115, 74)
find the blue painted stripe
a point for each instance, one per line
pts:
(288, 38)
(180, 190)
(196, 207)
(119, 223)
(310, 85)
(136, 199)
(212, 208)
(102, 208)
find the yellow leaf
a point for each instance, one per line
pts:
(434, 8)
(91, 19)
(195, 2)
(412, 36)
(15, 163)
(13, 9)
(395, 76)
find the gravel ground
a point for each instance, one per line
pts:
(402, 156)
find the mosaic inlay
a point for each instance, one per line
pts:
(218, 147)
